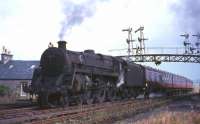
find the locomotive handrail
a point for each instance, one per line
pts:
(73, 77)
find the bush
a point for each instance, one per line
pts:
(4, 90)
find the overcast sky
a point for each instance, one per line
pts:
(27, 26)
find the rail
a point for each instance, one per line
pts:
(78, 114)
(95, 113)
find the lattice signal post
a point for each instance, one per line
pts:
(141, 40)
(129, 40)
(197, 44)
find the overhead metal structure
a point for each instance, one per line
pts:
(158, 58)
(189, 54)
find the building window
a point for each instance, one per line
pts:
(22, 93)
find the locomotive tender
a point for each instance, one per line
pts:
(66, 77)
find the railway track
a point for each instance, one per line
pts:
(78, 114)
(7, 110)
(18, 104)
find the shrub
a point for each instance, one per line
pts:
(4, 90)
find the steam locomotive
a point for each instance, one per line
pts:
(66, 77)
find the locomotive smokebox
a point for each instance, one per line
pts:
(62, 44)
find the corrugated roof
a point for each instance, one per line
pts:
(17, 70)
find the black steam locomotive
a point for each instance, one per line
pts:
(67, 77)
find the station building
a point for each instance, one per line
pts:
(14, 74)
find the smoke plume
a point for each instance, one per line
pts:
(188, 14)
(75, 13)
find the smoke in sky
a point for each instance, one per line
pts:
(188, 14)
(75, 13)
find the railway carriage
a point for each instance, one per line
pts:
(165, 82)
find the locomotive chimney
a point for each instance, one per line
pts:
(62, 44)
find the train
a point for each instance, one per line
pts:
(67, 77)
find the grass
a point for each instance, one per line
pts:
(172, 118)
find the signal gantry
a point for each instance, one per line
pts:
(138, 52)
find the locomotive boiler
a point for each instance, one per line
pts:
(70, 77)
